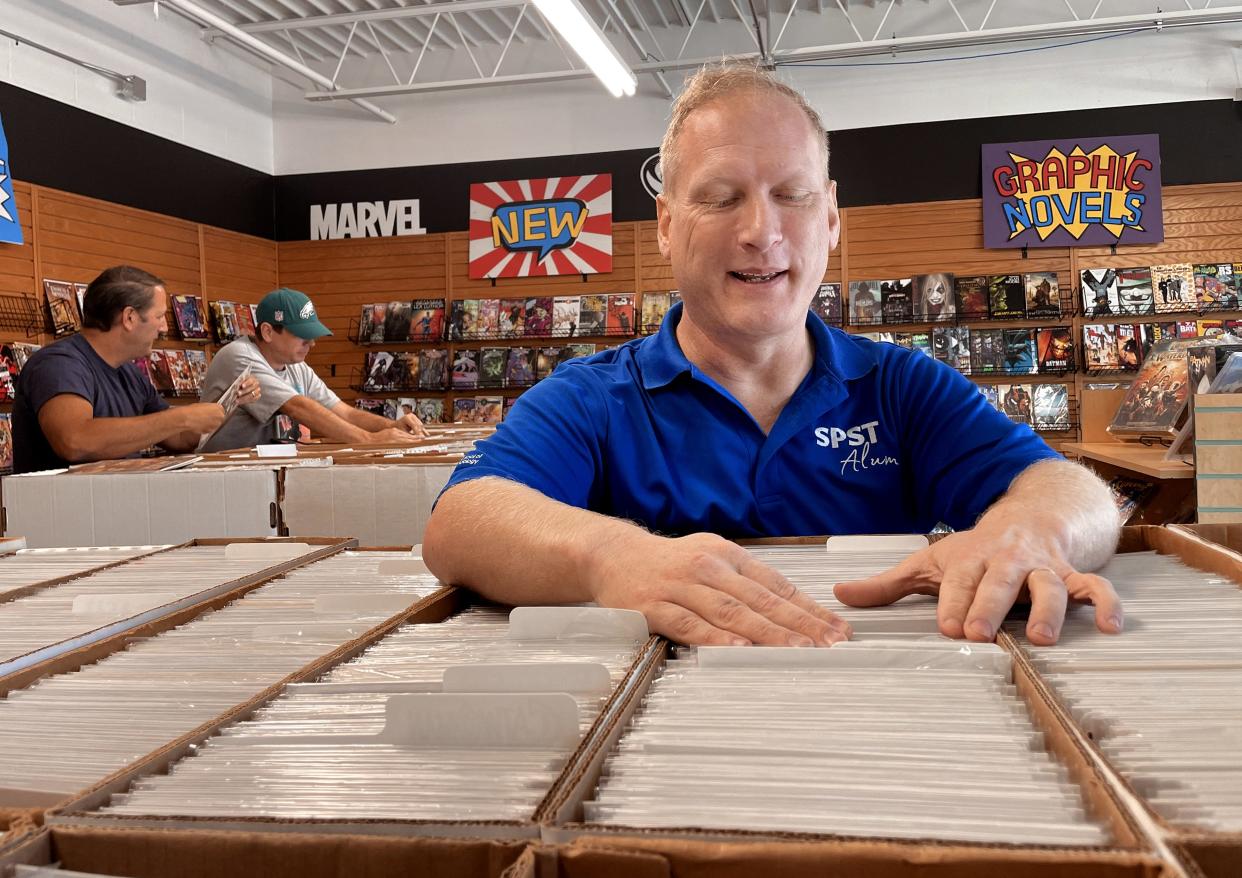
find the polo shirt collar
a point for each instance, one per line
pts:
(661, 361)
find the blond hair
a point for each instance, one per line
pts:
(720, 80)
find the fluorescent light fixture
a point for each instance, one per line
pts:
(589, 43)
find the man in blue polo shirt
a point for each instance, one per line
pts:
(746, 416)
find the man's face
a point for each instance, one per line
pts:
(286, 346)
(752, 216)
(144, 327)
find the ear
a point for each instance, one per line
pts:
(834, 217)
(664, 217)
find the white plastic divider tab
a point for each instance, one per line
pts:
(326, 630)
(416, 550)
(877, 543)
(276, 450)
(577, 623)
(245, 551)
(483, 720)
(120, 605)
(403, 567)
(576, 677)
(364, 603)
(896, 655)
(390, 687)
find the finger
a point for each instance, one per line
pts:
(996, 594)
(1048, 601)
(772, 580)
(956, 594)
(1109, 616)
(682, 626)
(724, 611)
(773, 603)
(907, 578)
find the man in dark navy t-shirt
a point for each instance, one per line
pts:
(82, 399)
(616, 479)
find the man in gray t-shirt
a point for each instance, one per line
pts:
(292, 394)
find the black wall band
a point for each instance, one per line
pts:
(62, 147)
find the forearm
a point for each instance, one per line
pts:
(514, 545)
(322, 422)
(183, 442)
(368, 421)
(111, 438)
(1063, 502)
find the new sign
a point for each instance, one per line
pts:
(534, 228)
(1089, 192)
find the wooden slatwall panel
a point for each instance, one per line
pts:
(80, 237)
(899, 240)
(1201, 224)
(342, 276)
(237, 267)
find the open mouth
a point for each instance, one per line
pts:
(751, 278)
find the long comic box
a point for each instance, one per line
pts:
(130, 617)
(431, 608)
(391, 613)
(182, 834)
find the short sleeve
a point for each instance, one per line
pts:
(275, 391)
(54, 375)
(551, 440)
(964, 453)
(315, 388)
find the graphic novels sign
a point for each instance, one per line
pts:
(1060, 193)
(534, 228)
(10, 225)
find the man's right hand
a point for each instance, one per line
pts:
(202, 417)
(392, 436)
(704, 590)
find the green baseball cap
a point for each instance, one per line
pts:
(292, 310)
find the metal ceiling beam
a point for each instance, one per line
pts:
(391, 14)
(859, 49)
(228, 30)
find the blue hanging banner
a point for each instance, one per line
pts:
(10, 225)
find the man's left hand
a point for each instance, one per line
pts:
(411, 424)
(980, 574)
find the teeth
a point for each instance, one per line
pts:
(741, 275)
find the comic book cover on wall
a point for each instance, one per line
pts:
(1157, 397)
(933, 297)
(827, 303)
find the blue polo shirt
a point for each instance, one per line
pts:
(877, 439)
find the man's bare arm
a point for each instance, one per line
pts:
(1023, 542)
(326, 424)
(373, 423)
(75, 434)
(512, 544)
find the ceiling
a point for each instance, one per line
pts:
(365, 50)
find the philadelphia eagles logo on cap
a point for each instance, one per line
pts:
(308, 311)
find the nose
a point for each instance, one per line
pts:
(760, 224)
